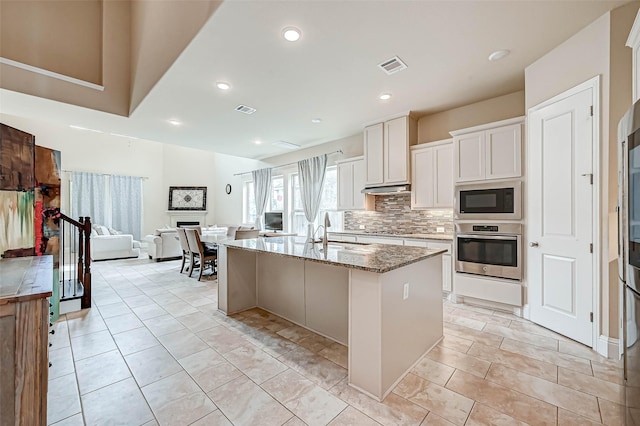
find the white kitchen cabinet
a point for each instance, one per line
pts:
(490, 151)
(432, 175)
(634, 43)
(342, 237)
(350, 183)
(447, 271)
(386, 151)
(365, 239)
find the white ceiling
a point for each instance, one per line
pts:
(331, 72)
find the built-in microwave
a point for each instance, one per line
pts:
(489, 200)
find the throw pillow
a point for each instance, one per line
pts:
(113, 231)
(102, 230)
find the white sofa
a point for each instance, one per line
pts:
(105, 245)
(163, 245)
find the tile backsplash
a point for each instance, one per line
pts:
(393, 214)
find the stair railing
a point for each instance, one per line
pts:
(75, 258)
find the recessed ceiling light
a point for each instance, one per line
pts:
(257, 142)
(175, 122)
(499, 54)
(291, 34)
(316, 120)
(223, 86)
(385, 96)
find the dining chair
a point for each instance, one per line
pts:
(186, 252)
(245, 234)
(231, 231)
(205, 255)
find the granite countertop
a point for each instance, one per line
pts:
(437, 236)
(378, 258)
(25, 278)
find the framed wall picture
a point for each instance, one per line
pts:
(187, 198)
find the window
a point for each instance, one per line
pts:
(275, 204)
(328, 204)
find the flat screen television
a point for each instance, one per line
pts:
(273, 221)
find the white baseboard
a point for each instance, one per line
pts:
(67, 306)
(526, 312)
(489, 304)
(608, 347)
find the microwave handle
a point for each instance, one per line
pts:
(488, 237)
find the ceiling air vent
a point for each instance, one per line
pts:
(245, 109)
(287, 145)
(393, 65)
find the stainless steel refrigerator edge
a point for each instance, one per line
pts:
(629, 256)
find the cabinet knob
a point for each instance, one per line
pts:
(533, 244)
(50, 324)
(50, 344)
(52, 332)
(50, 365)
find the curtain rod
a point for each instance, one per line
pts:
(103, 174)
(288, 164)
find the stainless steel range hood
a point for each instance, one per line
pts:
(381, 190)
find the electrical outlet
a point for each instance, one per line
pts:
(405, 294)
(440, 229)
(361, 226)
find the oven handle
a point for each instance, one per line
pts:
(489, 237)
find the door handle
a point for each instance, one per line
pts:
(533, 244)
(590, 177)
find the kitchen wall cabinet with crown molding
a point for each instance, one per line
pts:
(350, 185)
(489, 151)
(432, 175)
(386, 151)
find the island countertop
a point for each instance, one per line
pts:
(378, 258)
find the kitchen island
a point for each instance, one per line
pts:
(383, 302)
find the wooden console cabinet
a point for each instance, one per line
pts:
(25, 288)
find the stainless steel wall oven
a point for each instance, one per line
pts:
(493, 250)
(487, 201)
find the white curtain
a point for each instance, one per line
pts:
(88, 196)
(126, 205)
(261, 191)
(311, 174)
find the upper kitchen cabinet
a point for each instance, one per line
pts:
(490, 151)
(432, 175)
(634, 43)
(386, 151)
(350, 183)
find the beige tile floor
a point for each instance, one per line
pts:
(154, 350)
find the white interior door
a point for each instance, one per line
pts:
(560, 212)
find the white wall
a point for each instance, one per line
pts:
(596, 50)
(162, 165)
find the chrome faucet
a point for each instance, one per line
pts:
(325, 237)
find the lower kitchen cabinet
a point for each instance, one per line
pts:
(447, 271)
(447, 264)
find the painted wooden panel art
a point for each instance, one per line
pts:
(16, 159)
(16, 221)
